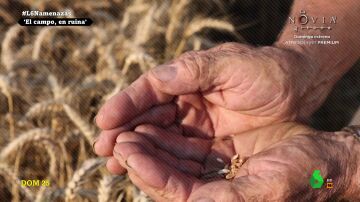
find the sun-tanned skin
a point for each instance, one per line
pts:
(282, 159)
(203, 97)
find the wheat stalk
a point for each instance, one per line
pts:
(144, 60)
(40, 38)
(119, 85)
(29, 136)
(48, 33)
(52, 149)
(87, 130)
(198, 25)
(6, 90)
(7, 49)
(109, 57)
(144, 27)
(54, 106)
(35, 136)
(175, 14)
(135, 8)
(80, 176)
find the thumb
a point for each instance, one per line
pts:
(198, 70)
(191, 72)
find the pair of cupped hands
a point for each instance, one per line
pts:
(185, 119)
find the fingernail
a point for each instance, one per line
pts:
(203, 200)
(93, 144)
(164, 72)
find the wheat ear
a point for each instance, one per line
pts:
(108, 185)
(37, 136)
(143, 59)
(80, 176)
(177, 9)
(7, 49)
(21, 140)
(144, 27)
(40, 38)
(44, 108)
(198, 25)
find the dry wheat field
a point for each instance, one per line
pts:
(54, 79)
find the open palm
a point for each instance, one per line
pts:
(215, 93)
(171, 167)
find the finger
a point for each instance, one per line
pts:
(191, 72)
(158, 180)
(182, 147)
(114, 167)
(161, 115)
(130, 143)
(139, 97)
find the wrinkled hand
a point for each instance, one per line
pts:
(169, 166)
(225, 90)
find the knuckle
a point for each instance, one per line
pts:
(196, 64)
(189, 61)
